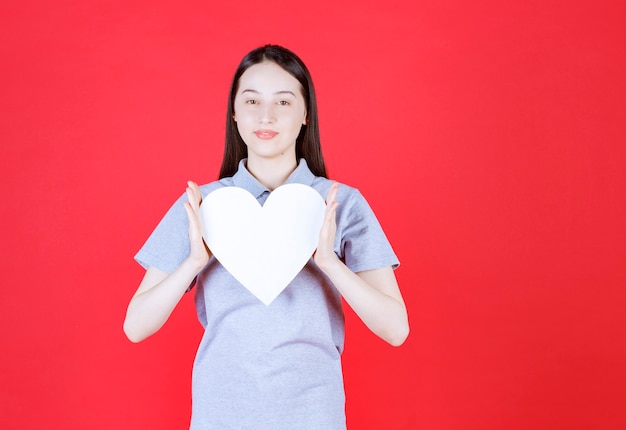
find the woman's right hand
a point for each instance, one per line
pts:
(159, 292)
(199, 253)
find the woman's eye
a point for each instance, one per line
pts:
(251, 102)
(284, 103)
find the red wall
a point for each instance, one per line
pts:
(487, 135)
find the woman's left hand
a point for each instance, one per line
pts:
(373, 294)
(325, 253)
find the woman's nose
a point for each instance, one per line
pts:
(267, 114)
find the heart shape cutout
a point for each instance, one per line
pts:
(263, 247)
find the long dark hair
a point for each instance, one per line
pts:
(308, 141)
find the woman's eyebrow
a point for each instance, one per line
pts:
(276, 93)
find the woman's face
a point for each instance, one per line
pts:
(270, 111)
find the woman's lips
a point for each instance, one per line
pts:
(265, 134)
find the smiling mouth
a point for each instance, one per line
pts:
(265, 134)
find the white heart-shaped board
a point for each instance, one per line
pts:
(263, 247)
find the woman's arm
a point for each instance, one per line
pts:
(159, 292)
(373, 294)
(375, 297)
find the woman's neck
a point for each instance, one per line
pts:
(271, 173)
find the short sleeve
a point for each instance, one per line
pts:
(168, 245)
(363, 244)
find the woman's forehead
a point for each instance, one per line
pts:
(268, 77)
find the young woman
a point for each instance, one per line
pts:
(276, 366)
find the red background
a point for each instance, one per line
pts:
(488, 136)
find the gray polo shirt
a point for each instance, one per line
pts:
(278, 366)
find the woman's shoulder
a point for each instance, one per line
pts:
(346, 194)
(212, 186)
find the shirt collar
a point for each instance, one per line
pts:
(244, 179)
